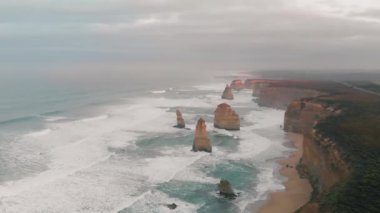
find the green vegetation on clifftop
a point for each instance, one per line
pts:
(357, 132)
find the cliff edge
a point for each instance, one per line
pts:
(341, 144)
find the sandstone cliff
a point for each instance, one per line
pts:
(201, 140)
(237, 85)
(340, 150)
(257, 83)
(302, 115)
(227, 93)
(180, 120)
(226, 118)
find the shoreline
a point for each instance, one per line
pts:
(297, 191)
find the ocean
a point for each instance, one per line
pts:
(73, 149)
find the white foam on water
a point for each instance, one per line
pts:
(250, 145)
(54, 118)
(211, 87)
(267, 182)
(165, 102)
(158, 91)
(97, 118)
(266, 118)
(85, 175)
(158, 201)
(163, 169)
(39, 133)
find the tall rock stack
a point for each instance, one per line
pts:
(201, 140)
(227, 94)
(180, 120)
(226, 118)
(237, 85)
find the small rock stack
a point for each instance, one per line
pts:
(227, 94)
(180, 120)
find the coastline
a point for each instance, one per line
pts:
(297, 191)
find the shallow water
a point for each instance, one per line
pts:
(125, 156)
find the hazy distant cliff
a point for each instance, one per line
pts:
(273, 94)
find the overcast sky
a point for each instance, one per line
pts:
(66, 37)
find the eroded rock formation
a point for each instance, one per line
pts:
(237, 85)
(226, 118)
(227, 94)
(201, 140)
(180, 120)
(225, 189)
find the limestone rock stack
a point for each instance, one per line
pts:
(201, 140)
(226, 118)
(237, 85)
(225, 189)
(227, 94)
(180, 120)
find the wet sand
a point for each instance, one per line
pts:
(297, 191)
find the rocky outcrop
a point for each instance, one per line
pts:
(172, 206)
(237, 85)
(225, 189)
(180, 120)
(201, 140)
(227, 94)
(226, 118)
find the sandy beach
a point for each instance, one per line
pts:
(297, 191)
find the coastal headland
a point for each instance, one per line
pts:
(340, 127)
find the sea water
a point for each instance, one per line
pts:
(69, 150)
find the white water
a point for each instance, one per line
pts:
(85, 174)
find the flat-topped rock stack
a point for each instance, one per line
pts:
(237, 85)
(201, 140)
(226, 118)
(227, 94)
(180, 120)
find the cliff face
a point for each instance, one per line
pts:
(201, 140)
(227, 94)
(237, 85)
(341, 129)
(180, 120)
(322, 162)
(226, 118)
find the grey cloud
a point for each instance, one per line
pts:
(182, 35)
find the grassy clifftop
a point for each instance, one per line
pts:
(357, 133)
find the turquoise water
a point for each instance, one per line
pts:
(117, 151)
